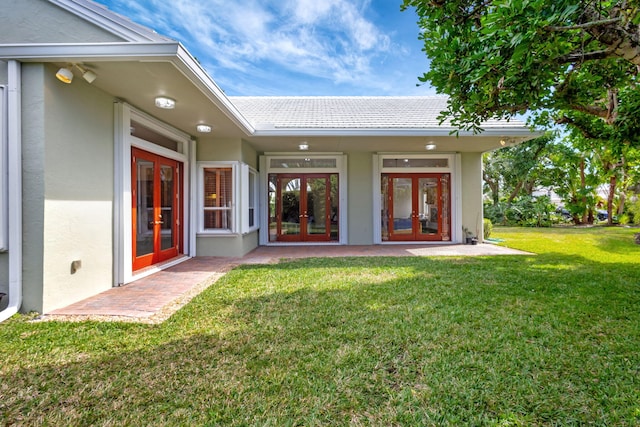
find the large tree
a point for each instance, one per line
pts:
(500, 58)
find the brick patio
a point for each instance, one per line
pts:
(154, 298)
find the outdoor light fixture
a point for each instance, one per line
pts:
(65, 75)
(203, 128)
(165, 103)
(503, 142)
(303, 146)
(88, 75)
(430, 146)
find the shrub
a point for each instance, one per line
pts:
(487, 228)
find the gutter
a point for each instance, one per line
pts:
(14, 162)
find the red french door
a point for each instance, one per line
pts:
(303, 207)
(155, 204)
(416, 207)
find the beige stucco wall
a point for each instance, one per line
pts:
(33, 155)
(471, 197)
(360, 198)
(68, 189)
(38, 21)
(4, 78)
(232, 149)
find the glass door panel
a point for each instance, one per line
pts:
(167, 195)
(402, 206)
(290, 213)
(415, 207)
(303, 207)
(144, 213)
(316, 214)
(428, 206)
(155, 208)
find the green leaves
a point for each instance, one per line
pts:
(496, 59)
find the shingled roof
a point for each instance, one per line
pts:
(349, 112)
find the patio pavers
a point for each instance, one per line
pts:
(155, 298)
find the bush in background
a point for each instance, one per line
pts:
(487, 228)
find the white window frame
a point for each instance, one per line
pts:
(234, 199)
(4, 190)
(248, 202)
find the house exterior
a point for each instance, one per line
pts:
(103, 181)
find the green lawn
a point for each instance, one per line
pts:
(547, 339)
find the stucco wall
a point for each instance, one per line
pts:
(360, 198)
(222, 149)
(68, 189)
(471, 199)
(234, 246)
(4, 78)
(38, 21)
(33, 155)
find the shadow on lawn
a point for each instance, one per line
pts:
(431, 341)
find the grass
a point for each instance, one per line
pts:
(547, 339)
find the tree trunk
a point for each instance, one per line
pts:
(583, 184)
(494, 186)
(612, 192)
(514, 193)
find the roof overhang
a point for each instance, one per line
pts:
(138, 71)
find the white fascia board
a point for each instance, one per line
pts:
(192, 69)
(124, 51)
(521, 132)
(110, 21)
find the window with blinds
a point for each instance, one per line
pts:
(218, 198)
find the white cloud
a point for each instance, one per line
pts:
(327, 39)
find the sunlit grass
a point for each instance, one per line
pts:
(547, 339)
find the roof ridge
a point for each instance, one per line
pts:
(315, 97)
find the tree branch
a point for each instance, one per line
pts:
(585, 25)
(586, 56)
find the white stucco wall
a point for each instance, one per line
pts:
(68, 189)
(38, 21)
(471, 198)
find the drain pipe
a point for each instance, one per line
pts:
(14, 163)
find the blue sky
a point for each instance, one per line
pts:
(293, 47)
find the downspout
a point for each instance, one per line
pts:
(14, 163)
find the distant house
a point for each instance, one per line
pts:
(121, 156)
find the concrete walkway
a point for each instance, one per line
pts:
(155, 298)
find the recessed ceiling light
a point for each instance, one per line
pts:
(166, 103)
(203, 128)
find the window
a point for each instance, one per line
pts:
(252, 202)
(218, 198)
(228, 193)
(415, 163)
